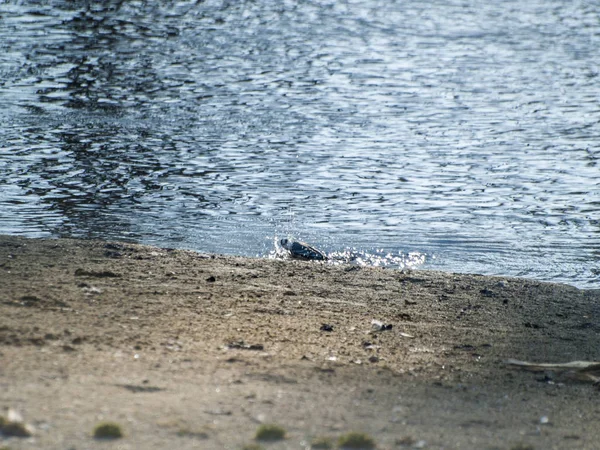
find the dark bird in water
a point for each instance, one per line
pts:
(301, 250)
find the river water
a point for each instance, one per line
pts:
(453, 135)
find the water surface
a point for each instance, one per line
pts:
(453, 135)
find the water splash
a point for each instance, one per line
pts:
(377, 258)
(354, 256)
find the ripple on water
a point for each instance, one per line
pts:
(454, 136)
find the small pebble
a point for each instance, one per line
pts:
(326, 327)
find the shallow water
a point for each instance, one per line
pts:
(460, 136)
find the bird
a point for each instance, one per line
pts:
(302, 250)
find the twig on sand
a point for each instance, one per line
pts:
(581, 370)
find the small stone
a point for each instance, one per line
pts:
(377, 325)
(407, 441)
(13, 425)
(16, 429)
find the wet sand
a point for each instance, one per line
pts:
(185, 350)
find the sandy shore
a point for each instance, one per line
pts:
(185, 350)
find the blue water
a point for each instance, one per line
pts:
(453, 135)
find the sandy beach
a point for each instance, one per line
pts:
(192, 351)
